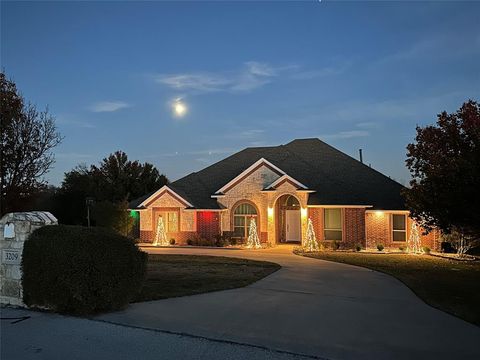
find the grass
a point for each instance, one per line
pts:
(180, 275)
(448, 285)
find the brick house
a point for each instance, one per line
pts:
(281, 187)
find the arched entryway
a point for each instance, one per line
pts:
(289, 226)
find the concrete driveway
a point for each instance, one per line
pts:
(312, 307)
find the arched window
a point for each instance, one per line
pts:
(291, 202)
(241, 219)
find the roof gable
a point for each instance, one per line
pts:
(286, 178)
(159, 193)
(244, 174)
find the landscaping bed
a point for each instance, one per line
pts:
(447, 284)
(181, 275)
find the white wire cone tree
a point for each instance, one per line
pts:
(253, 241)
(310, 243)
(414, 245)
(161, 235)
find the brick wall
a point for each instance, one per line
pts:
(208, 224)
(432, 240)
(354, 227)
(146, 235)
(249, 189)
(180, 237)
(377, 225)
(378, 231)
(316, 215)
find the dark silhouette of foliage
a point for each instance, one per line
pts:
(26, 140)
(114, 182)
(445, 165)
(79, 270)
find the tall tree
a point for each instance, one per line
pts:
(121, 179)
(26, 142)
(115, 180)
(445, 165)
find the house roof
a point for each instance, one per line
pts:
(336, 178)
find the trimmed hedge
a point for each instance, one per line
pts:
(78, 270)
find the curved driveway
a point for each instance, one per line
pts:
(312, 307)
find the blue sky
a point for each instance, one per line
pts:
(354, 74)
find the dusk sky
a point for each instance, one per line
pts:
(354, 74)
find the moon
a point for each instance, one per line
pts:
(179, 108)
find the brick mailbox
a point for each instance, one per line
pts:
(14, 230)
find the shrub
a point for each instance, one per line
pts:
(335, 245)
(190, 242)
(113, 216)
(401, 248)
(78, 270)
(380, 247)
(358, 247)
(447, 247)
(220, 240)
(196, 240)
(426, 250)
(206, 242)
(224, 239)
(172, 241)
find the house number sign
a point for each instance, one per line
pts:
(11, 256)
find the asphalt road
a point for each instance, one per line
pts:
(50, 337)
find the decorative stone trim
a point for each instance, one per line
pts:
(14, 231)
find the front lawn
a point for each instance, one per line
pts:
(180, 275)
(449, 285)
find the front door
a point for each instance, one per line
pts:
(292, 224)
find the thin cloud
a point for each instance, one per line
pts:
(73, 122)
(209, 152)
(108, 106)
(219, 151)
(346, 135)
(245, 134)
(367, 124)
(459, 46)
(252, 75)
(326, 71)
(204, 82)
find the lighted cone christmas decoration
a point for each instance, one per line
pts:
(253, 242)
(310, 243)
(161, 235)
(414, 246)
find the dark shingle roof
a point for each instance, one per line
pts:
(337, 178)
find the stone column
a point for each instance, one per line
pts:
(14, 230)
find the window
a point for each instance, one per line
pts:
(399, 227)
(241, 219)
(332, 224)
(292, 202)
(172, 221)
